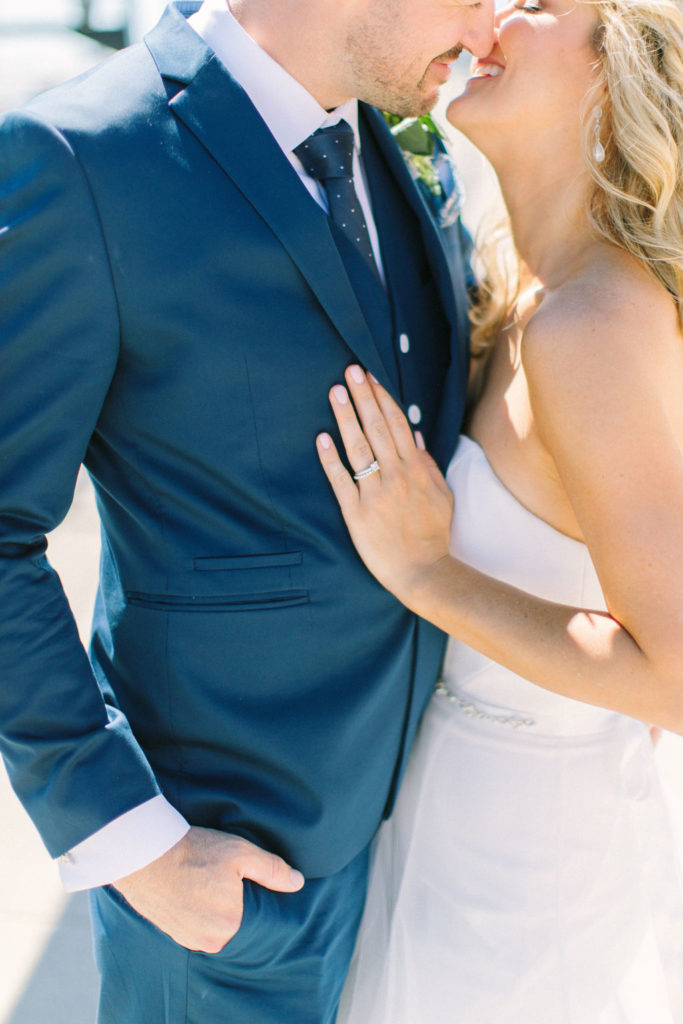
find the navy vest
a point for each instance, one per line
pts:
(407, 317)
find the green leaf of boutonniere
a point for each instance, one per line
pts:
(414, 134)
(427, 158)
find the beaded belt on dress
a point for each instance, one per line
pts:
(473, 711)
(569, 720)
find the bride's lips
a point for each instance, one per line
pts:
(486, 68)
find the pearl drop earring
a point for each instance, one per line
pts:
(598, 150)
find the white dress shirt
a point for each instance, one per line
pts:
(144, 833)
(288, 109)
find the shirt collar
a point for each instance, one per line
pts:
(288, 109)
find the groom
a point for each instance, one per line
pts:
(181, 280)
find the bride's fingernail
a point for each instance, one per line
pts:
(340, 394)
(325, 440)
(357, 374)
(420, 441)
(373, 378)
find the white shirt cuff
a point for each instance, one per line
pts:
(126, 844)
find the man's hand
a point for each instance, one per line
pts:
(194, 891)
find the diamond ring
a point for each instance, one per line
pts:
(368, 471)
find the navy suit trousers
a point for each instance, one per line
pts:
(286, 965)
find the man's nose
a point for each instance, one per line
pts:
(479, 37)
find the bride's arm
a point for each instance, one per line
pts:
(600, 411)
(606, 405)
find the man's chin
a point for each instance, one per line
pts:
(415, 107)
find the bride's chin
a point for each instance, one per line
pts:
(484, 136)
(471, 124)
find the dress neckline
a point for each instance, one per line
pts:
(476, 449)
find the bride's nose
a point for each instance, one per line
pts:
(502, 14)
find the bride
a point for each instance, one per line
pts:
(528, 875)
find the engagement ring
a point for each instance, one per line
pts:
(368, 471)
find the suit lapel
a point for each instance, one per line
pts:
(219, 113)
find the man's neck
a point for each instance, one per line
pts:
(296, 35)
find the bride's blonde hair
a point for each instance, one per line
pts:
(637, 202)
(637, 199)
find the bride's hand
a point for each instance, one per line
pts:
(399, 517)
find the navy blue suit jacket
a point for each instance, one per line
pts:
(173, 313)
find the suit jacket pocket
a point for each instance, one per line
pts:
(264, 601)
(235, 563)
(231, 583)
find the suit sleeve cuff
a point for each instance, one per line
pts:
(130, 842)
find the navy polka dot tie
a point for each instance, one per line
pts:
(328, 156)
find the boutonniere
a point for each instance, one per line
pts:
(430, 165)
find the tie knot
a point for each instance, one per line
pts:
(328, 153)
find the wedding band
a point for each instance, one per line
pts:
(368, 471)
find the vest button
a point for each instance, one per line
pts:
(404, 343)
(414, 414)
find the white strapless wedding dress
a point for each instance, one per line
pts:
(529, 873)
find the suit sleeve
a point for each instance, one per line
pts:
(72, 761)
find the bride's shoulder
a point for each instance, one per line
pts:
(614, 315)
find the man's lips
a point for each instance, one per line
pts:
(442, 69)
(441, 65)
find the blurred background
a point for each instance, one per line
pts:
(47, 974)
(43, 42)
